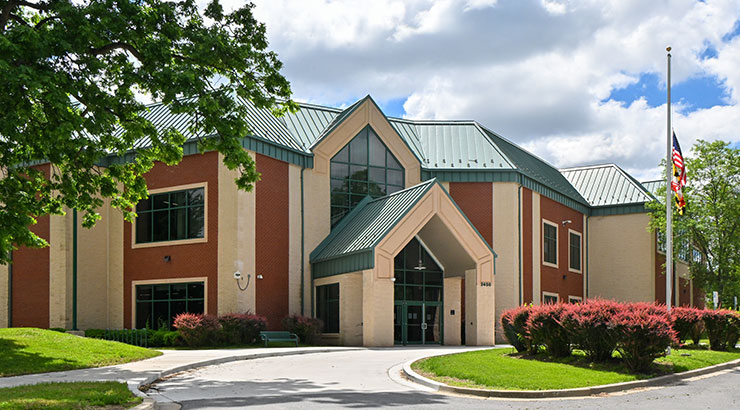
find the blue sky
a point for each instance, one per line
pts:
(576, 82)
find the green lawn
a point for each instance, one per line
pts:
(503, 370)
(30, 350)
(65, 396)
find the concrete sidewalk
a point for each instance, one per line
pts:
(171, 361)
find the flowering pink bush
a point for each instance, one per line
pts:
(197, 329)
(644, 333)
(514, 323)
(590, 327)
(307, 329)
(687, 322)
(723, 328)
(544, 327)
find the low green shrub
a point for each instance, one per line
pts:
(307, 329)
(58, 329)
(95, 333)
(241, 328)
(723, 328)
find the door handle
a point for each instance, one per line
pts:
(423, 325)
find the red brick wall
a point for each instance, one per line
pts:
(31, 277)
(190, 260)
(476, 201)
(684, 292)
(272, 236)
(560, 280)
(527, 267)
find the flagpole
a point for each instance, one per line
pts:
(668, 207)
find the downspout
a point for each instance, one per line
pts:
(10, 290)
(74, 269)
(303, 247)
(519, 246)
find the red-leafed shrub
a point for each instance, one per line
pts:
(590, 327)
(197, 329)
(544, 327)
(514, 323)
(687, 322)
(723, 328)
(241, 328)
(308, 329)
(644, 332)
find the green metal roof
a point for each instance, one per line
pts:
(535, 168)
(368, 223)
(652, 186)
(606, 185)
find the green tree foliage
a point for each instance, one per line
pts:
(711, 224)
(69, 74)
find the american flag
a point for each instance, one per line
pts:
(679, 175)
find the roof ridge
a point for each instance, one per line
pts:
(417, 186)
(579, 167)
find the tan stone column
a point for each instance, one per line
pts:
(452, 302)
(377, 310)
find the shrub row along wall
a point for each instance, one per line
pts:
(640, 332)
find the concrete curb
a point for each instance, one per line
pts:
(149, 403)
(579, 392)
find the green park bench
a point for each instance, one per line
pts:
(273, 336)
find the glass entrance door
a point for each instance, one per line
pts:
(418, 323)
(418, 297)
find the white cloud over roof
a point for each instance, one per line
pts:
(539, 72)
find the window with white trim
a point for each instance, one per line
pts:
(574, 299)
(549, 243)
(171, 216)
(550, 298)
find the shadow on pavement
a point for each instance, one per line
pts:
(326, 398)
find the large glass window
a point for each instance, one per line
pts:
(418, 277)
(363, 167)
(171, 216)
(575, 252)
(550, 243)
(327, 306)
(157, 305)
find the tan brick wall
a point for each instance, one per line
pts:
(506, 245)
(93, 271)
(60, 270)
(621, 258)
(350, 308)
(294, 238)
(452, 323)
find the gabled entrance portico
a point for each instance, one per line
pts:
(361, 253)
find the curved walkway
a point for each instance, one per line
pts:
(372, 378)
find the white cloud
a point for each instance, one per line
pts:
(536, 71)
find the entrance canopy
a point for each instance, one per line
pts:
(376, 230)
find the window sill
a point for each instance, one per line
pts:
(552, 265)
(168, 243)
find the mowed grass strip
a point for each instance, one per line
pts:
(31, 350)
(67, 396)
(500, 369)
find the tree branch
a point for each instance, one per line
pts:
(117, 46)
(5, 16)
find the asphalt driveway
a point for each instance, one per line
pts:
(371, 378)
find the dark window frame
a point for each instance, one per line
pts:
(349, 188)
(146, 209)
(169, 299)
(550, 257)
(325, 302)
(571, 248)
